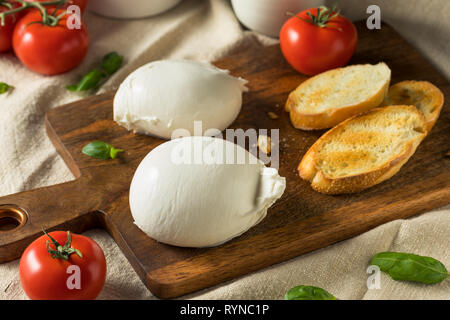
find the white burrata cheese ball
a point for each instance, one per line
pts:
(166, 95)
(197, 192)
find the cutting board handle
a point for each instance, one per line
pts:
(23, 215)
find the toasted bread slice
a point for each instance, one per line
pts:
(331, 97)
(364, 150)
(422, 94)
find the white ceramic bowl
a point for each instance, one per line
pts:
(130, 9)
(268, 16)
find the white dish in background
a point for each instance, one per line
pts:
(130, 9)
(268, 16)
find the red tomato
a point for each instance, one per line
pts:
(6, 31)
(312, 49)
(81, 3)
(47, 278)
(49, 49)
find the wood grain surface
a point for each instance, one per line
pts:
(301, 221)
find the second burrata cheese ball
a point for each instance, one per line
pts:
(166, 95)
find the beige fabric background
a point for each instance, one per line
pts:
(208, 30)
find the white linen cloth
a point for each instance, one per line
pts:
(208, 30)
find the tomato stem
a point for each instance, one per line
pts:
(8, 5)
(61, 252)
(322, 19)
(32, 4)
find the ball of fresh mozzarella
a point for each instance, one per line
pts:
(198, 192)
(166, 95)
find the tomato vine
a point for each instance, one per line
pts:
(47, 19)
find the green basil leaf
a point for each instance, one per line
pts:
(4, 87)
(410, 267)
(101, 150)
(72, 87)
(89, 81)
(308, 293)
(111, 63)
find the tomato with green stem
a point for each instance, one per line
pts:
(317, 40)
(7, 29)
(43, 42)
(62, 266)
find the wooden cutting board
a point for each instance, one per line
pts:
(301, 221)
